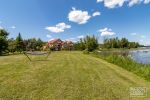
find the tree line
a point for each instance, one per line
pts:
(119, 43)
(19, 44)
(89, 43)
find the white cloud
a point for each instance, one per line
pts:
(81, 36)
(133, 34)
(146, 1)
(133, 2)
(13, 27)
(119, 3)
(48, 36)
(78, 16)
(99, 0)
(60, 27)
(112, 3)
(106, 32)
(97, 13)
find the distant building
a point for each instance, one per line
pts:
(55, 44)
(58, 44)
(67, 45)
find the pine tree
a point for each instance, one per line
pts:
(39, 44)
(19, 43)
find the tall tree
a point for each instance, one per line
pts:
(91, 43)
(124, 43)
(82, 44)
(11, 45)
(39, 44)
(19, 43)
(33, 44)
(117, 43)
(3, 41)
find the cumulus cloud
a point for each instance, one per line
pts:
(99, 0)
(106, 32)
(97, 13)
(48, 36)
(133, 2)
(80, 36)
(78, 16)
(60, 27)
(112, 3)
(146, 1)
(120, 3)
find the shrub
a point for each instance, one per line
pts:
(85, 51)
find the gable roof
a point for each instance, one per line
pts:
(54, 41)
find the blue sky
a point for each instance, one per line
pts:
(73, 19)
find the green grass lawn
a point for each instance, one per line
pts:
(66, 76)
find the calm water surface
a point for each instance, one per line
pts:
(141, 56)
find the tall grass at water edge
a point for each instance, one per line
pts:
(123, 60)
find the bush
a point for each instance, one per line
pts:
(86, 51)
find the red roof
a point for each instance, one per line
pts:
(60, 42)
(55, 41)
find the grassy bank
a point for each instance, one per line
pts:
(66, 76)
(127, 63)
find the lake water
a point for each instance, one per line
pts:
(141, 56)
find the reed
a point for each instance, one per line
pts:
(124, 61)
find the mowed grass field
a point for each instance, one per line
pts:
(66, 76)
